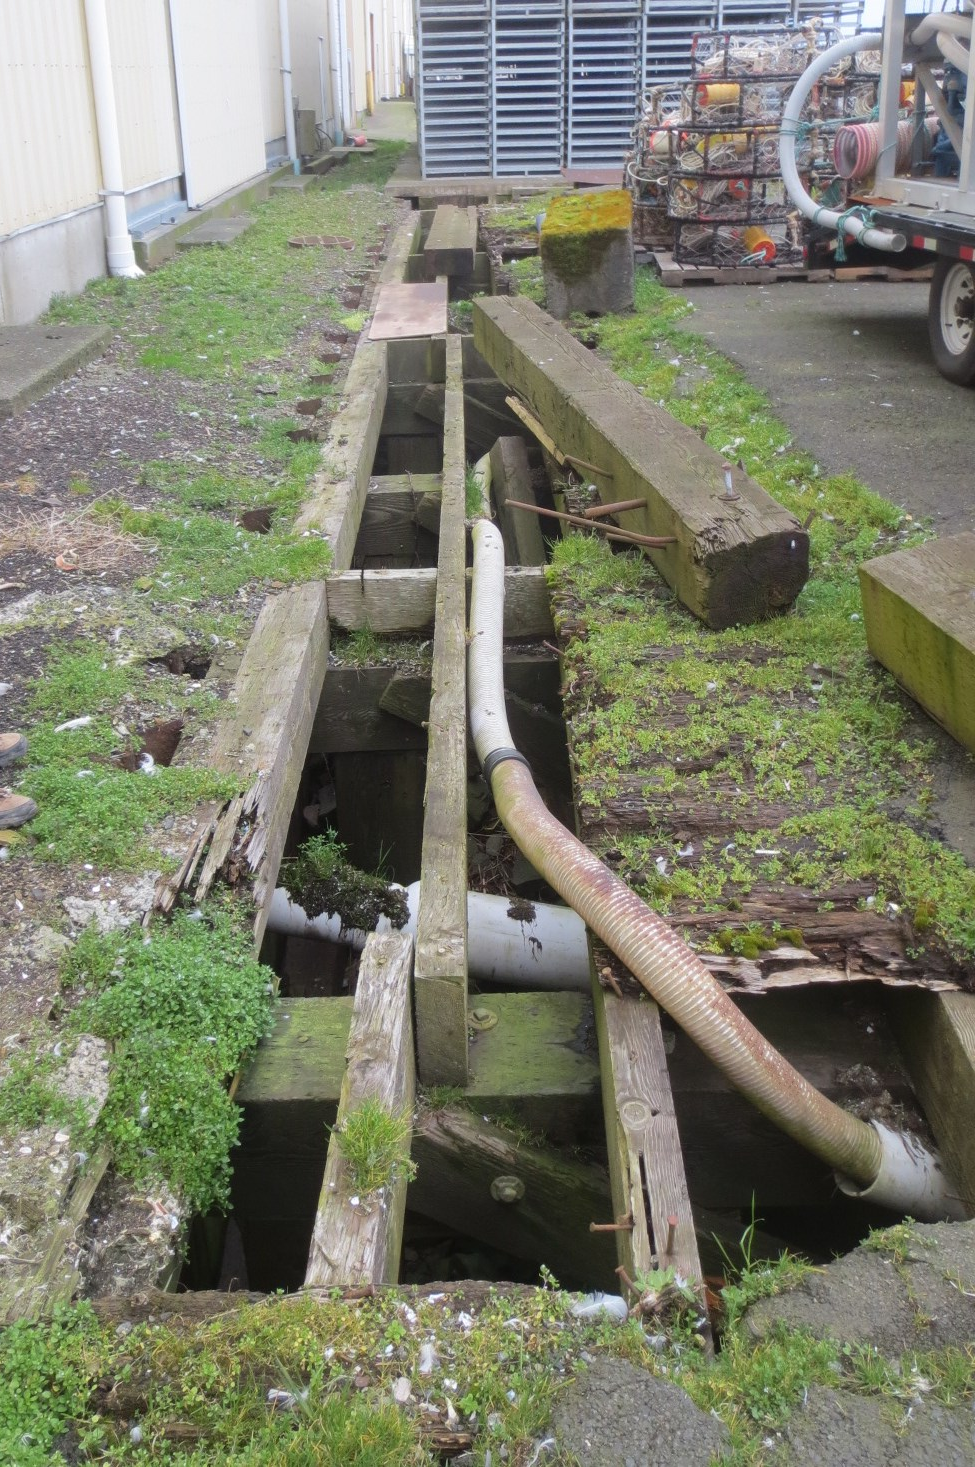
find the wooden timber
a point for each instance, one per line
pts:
(460, 1158)
(390, 526)
(397, 602)
(356, 1238)
(919, 613)
(646, 1164)
(452, 242)
(262, 745)
(511, 479)
(936, 1033)
(441, 933)
(738, 556)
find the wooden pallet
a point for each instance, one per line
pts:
(679, 276)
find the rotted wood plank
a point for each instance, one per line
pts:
(262, 744)
(441, 934)
(528, 1200)
(919, 613)
(399, 601)
(511, 478)
(357, 1238)
(739, 556)
(645, 1161)
(936, 1033)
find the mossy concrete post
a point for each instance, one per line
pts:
(587, 253)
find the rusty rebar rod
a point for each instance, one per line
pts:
(629, 537)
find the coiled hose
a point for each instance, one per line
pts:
(871, 1161)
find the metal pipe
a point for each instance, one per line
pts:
(289, 106)
(119, 249)
(869, 1160)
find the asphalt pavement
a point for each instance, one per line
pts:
(848, 368)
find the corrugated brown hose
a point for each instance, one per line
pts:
(870, 1160)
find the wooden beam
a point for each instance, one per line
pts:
(334, 506)
(393, 602)
(452, 242)
(356, 1239)
(379, 810)
(739, 557)
(645, 1161)
(262, 744)
(936, 1034)
(919, 613)
(511, 478)
(528, 1200)
(405, 240)
(389, 524)
(402, 415)
(441, 932)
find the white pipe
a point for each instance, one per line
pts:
(289, 106)
(878, 239)
(321, 81)
(938, 23)
(525, 944)
(337, 70)
(120, 253)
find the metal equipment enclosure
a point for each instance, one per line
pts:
(526, 87)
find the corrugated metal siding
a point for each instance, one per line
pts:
(309, 20)
(144, 95)
(218, 82)
(272, 93)
(49, 154)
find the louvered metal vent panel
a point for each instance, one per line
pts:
(529, 87)
(454, 89)
(605, 79)
(670, 27)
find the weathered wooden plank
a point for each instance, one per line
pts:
(936, 1033)
(452, 242)
(739, 556)
(389, 524)
(401, 453)
(402, 416)
(919, 613)
(417, 359)
(356, 1239)
(262, 744)
(528, 1200)
(645, 1160)
(441, 935)
(405, 240)
(334, 506)
(511, 478)
(379, 810)
(400, 601)
(34, 1293)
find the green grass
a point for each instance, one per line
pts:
(793, 712)
(374, 1142)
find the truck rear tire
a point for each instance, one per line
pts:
(951, 320)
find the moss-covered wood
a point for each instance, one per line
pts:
(739, 556)
(578, 229)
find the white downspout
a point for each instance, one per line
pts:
(121, 255)
(337, 70)
(289, 106)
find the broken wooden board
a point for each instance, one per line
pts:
(410, 310)
(646, 1163)
(262, 745)
(525, 1199)
(441, 930)
(936, 1034)
(392, 602)
(357, 1237)
(452, 241)
(738, 556)
(511, 478)
(919, 614)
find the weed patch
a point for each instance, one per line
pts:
(374, 1140)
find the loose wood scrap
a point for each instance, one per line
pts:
(390, 602)
(736, 559)
(356, 1239)
(936, 1033)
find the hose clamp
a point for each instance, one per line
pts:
(498, 756)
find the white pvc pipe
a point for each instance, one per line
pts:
(289, 106)
(120, 253)
(524, 944)
(337, 70)
(878, 239)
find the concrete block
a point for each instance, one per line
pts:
(587, 253)
(34, 358)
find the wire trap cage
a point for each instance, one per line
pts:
(740, 246)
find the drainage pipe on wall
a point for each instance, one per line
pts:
(336, 35)
(120, 253)
(521, 944)
(871, 1161)
(850, 224)
(289, 106)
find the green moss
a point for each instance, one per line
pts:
(578, 229)
(321, 881)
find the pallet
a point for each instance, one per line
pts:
(680, 276)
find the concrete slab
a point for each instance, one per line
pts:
(216, 231)
(301, 183)
(34, 358)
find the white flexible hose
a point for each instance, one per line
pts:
(876, 1162)
(878, 239)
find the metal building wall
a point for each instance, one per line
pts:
(605, 78)
(218, 83)
(272, 90)
(454, 87)
(145, 97)
(529, 86)
(49, 162)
